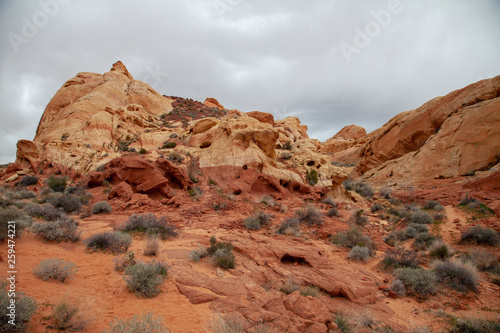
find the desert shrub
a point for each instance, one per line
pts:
(461, 325)
(22, 221)
(108, 240)
(70, 315)
(361, 188)
(226, 323)
(25, 308)
(289, 286)
(124, 260)
(268, 200)
(394, 237)
(479, 235)
(420, 217)
(458, 275)
(63, 228)
(359, 218)
(385, 193)
(359, 253)
(142, 151)
(289, 227)
(175, 157)
(224, 258)
(417, 281)
(252, 223)
(22, 194)
(312, 291)
(68, 202)
(309, 215)
(101, 207)
(353, 237)
(263, 217)
(57, 183)
(333, 212)
(433, 205)
(145, 278)
(422, 241)
(312, 177)
(28, 180)
(400, 257)
(197, 254)
(440, 250)
(169, 144)
(414, 229)
(45, 211)
(55, 268)
(376, 208)
(287, 145)
(466, 200)
(343, 323)
(149, 224)
(485, 261)
(195, 192)
(398, 287)
(217, 245)
(363, 319)
(151, 246)
(147, 322)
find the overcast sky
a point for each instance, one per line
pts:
(330, 62)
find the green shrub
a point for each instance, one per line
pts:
(45, 211)
(57, 183)
(400, 257)
(479, 236)
(108, 240)
(217, 245)
(419, 282)
(312, 291)
(421, 217)
(289, 227)
(423, 240)
(343, 323)
(385, 193)
(151, 246)
(376, 208)
(70, 315)
(195, 192)
(460, 325)
(485, 261)
(61, 229)
(268, 200)
(458, 275)
(56, 269)
(101, 207)
(149, 224)
(22, 194)
(25, 308)
(28, 180)
(224, 258)
(353, 237)
(145, 278)
(197, 254)
(312, 177)
(252, 223)
(359, 253)
(361, 188)
(440, 250)
(287, 145)
(22, 221)
(147, 322)
(333, 212)
(330, 202)
(142, 151)
(433, 205)
(169, 144)
(359, 218)
(122, 145)
(309, 215)
(289, 286)
(175, 157)
(68, 202)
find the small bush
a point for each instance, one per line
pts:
(333, 212)
(217, 245)
(461, 325)
(414, 229)
(287, 145)
(226, 323)
(361, 188)
(359, 253)
(147, 322)
(124, 260)
(252, 223)
(197, 254)
(400, 257)
(385, 193)
(57, 183)
(440, 250)
(309, 215)
(45, 211)
(145, 278)
(458, 275)
(433, 205)
(353, 237)
(195, 192)
(343, 323)
(152, 246)
(312, 177)
(62, 229)
(22, 221)
(423, 240)
(175, 157)
(421, 217)
(169, 144)
(113, 241)
(28, 180)
(101, 207)
(417, 281)
(25, 308)
(398, 287)
(485, 261)
(359, 218)
(22, 194)
(56, 269)
(479, 236)
(142, 151)
(268, 200)
(149, 224)
(224, 258)
(70, 315)
(289, 286)
(68, 202)
(289, 227)
(376, 208)
(330, 202)
(312, 291)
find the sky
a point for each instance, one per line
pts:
(331, 63)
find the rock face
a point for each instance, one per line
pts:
(349, 137)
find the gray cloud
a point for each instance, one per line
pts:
(281, 56)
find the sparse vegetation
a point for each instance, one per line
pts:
(485, 261)
(312, 177)
(423, 240)
(376, 208)
(458, 275)
(400, 257)
(268, 200)
(142, 151)
(152, 246)
(108, 240)
(197, 254)
(10, 213)
(62, 229)
(45, 211)
(359, 253)
(101, 207)
(145, 278)
(57, 269)
(353, 237)
(289, 227)
(460, 325)
(122, 145)
(147, 322)
(124, 260)
(28, 180)
(57, 183)
(479, 235)
(359, 218)
(417, 281)
(224, 258)
(343, 323)
(70, 315)
(25, 308)
(361, 188)
(440, 250)
(309, 215)
(169, 145)
(175, 157)
(385, 193)
(420, 217)
(149, 224)
(257, 221)
(226, 323)
(289, 286)
(433, 205)
(312, 291)
(68, 202)
(287, 145)
(333, 212)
